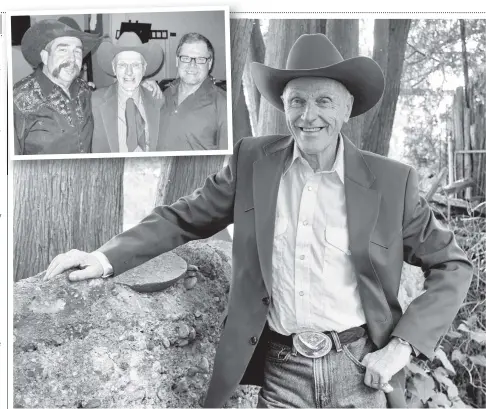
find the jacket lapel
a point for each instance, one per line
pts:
(362, 206)
(266, 180)
(152, 111)
(110, 117)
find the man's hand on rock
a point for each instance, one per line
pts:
(381, 365)
(89, 266)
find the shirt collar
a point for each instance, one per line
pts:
(123, 95)
(337, 167)
(48, 87)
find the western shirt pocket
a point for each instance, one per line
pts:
(338, 238)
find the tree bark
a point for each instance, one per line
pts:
(180, 176)
(344, 34)
(61, 205)
(256, 54)
(376, 138)
(282, 34)
(380, 55)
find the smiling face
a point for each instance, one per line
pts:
(62, 58)
(129, 68)
(315, 111)
(193, 73)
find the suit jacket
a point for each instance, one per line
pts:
(105, 113)
(388, 223)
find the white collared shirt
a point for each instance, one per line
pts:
(122, 125)
(314, 281)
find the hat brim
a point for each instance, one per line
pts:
(37, 37)
(151, 52)
(362, 76)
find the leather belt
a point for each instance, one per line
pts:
(323, 341)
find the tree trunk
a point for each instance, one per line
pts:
(61, 205)
(180, 176)
(344, 34)
(376, 138)
(282, 34)
(256, 54)
(380, 55)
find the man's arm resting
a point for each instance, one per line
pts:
(199, 215)
(447, 270)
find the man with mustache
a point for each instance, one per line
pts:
(52, 106)
(195, 115)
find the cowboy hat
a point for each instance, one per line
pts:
(43, 32)
(130, 41)
(313, 55)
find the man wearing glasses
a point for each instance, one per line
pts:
(194, 116)
(126, 114)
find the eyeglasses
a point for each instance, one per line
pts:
(199, 60)
(136, 66)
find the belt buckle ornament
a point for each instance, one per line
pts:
(312, 344)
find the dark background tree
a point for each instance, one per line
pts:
(61, 205)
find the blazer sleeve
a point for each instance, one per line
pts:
(199, 215)
(448, 274)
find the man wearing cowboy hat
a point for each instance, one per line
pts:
(321, 230)
(126, 116)
(52, 106)
(195, 115)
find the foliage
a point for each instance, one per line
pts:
(457, 377)
(433, 69)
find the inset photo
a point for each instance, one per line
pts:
(126, 84)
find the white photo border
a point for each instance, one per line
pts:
(148, 10)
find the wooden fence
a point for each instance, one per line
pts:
(466, 136)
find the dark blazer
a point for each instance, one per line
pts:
(388, 223)
(105, 114)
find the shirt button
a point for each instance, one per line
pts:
(175, 111)
(253, 340)
(301, 293)
(266, 300)
(302, 257)
(309, 188)
(305, 222)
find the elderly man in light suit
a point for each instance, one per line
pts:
(321, 230)
(126, 114)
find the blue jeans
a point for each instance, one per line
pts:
(335, 380)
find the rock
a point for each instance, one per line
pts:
(191, 274)
(204, 365)
(155, 275)
(157, 366)
(192, 371)
(192, 267)
(165, 341)
(181, 386)
(95, 359)
(183, 330)
(182, 342)
(197, 314)
(93, 403)
(189, 283)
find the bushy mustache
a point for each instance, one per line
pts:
(65, 64)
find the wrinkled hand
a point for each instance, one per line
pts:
(153, 87)
(381, 365)
(89, 266)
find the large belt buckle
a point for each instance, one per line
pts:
(312, 344)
